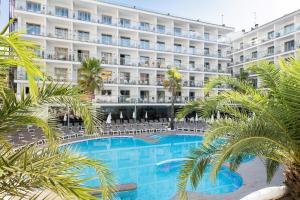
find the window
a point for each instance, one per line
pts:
(61, 32)
(206, 66)
(106, 39)
(33, 6)
(33, 29)
(144, 95)
(144, 60)
(192, 95)
(106, 19)
(270, 50)
(106, 92)
(231, 71)
(61, 53)
(161, 28)
(124, 23)
(206, 51)
(254, 54)
(83, 54)
(161, 62)
(178, 48)
(219, 53)
(192, 81)
(144, 44)
(106, 57)
(219, 67)
(26, 90)
(192, 49)
(177, 63)
(254, 83)
(253, 41)
(61, 12)
(160, 78)
(125, 41)
(60, 74)
(177, 31)
(288, 28)
(144, 26)
(125, 93)
(83, 36)
(84, 16)
(124, 77)
(160, 96)
(160, 46)
(241, 45)
(124, 59)
(288, 46)
(206, 36)
(192, 64)
(206, 79)
(242, 58)
(178, 94)
(270, 35)
(144, 77)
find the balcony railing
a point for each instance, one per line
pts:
(151, 63)
(93, 18)
(120, 42)
(281, 33)
(265, 54)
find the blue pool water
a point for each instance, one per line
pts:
(153, 167)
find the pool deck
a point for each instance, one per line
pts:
(254, 178)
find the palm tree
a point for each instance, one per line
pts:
(29, 170)
(243, 75)
(263, 122)
(173, 84)
(90, 77)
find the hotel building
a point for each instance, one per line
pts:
(277, 39)
(136, 48)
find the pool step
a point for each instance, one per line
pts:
(119, 188)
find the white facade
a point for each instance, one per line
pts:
(136, 48)
(272, 41)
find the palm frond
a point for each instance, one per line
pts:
(53, 169)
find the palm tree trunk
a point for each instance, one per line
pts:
(292, 181)
(172, 113)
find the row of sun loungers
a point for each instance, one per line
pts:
(30, 134)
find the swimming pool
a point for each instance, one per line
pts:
(153, 167)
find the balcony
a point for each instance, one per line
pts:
(127, 82)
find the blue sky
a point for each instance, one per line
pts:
(237, 13)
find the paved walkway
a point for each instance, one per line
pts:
(254, 178)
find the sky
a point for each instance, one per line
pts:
(236, 13)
